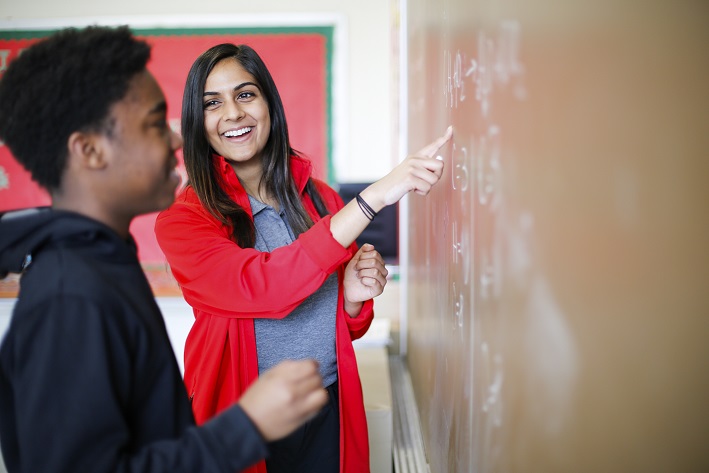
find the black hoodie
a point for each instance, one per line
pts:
(88, 379)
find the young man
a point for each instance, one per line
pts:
(88, 379)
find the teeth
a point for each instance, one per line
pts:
(239, 132)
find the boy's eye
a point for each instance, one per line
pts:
(161, 124)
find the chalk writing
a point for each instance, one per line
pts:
(487, 156)
(460, 169)
(497, 62)
(454, 90)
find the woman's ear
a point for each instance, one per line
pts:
(86, 150)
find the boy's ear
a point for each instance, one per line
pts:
(87, 150)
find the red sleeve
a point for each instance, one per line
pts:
(218, 276)
(359, 325)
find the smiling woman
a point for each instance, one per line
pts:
(264, 252)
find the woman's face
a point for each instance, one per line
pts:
(236, 117)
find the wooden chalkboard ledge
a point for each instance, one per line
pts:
(407, 444)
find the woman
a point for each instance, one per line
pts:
(265, 255)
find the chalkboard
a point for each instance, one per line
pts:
(558, 278)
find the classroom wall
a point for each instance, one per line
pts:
(558, 275)
(368, 148)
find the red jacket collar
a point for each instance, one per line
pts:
(300, 168)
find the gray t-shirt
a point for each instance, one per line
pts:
(308, 331)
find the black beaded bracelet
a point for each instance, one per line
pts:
(366, 209)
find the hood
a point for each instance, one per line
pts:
(23, 233)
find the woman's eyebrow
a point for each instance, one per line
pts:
(244, 84)
(238, 87)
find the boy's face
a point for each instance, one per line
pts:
(141, 148)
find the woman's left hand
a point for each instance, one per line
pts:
(365, 278)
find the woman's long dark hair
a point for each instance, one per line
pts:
(276, 178)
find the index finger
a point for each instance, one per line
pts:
(433, 147)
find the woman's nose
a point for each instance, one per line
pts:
(233, 110)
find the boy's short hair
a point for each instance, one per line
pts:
(65, 83)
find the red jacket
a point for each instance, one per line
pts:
(228, 286)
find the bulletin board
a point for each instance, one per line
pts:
(300, 59)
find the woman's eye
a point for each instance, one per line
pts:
(246, 95)
(210, 104)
